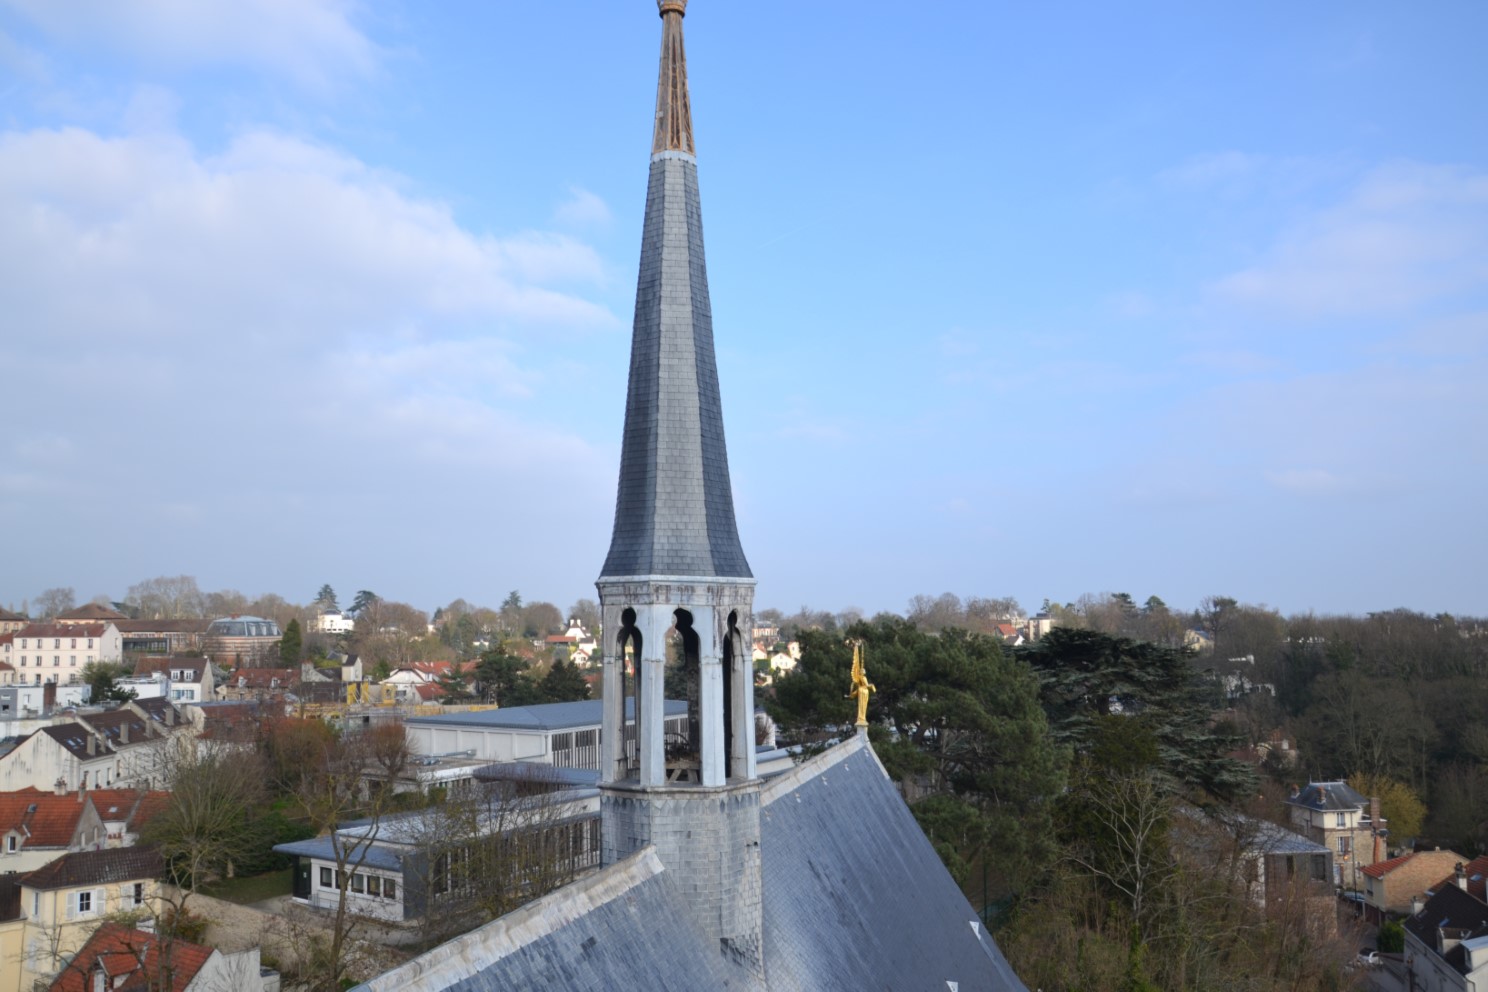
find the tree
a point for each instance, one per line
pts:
(586, 612)
(1086, 675)
(541, 619)
(364, 598)
(564, 683)
(100, 677)
(333, 788)
(957, 721)
(166, 597)
(326, 598)
(200, 833)
(1399, 805)
(291, 644)
(54, 601)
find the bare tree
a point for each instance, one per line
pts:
(166, 597)
(54, 601)
(499, 844)
(331, 789)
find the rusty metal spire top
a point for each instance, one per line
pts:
(673, 107)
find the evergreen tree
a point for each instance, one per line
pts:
(100, 677)
(364, 599)
(564, 683)
(326, 598)
(1086, 676)
(291, 644)
(960, 719)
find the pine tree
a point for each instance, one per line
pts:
(564, 683)
(291, 644)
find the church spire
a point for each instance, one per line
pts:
(674, 510)
(673, 108)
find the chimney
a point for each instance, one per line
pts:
(1416, 905)
(1294, 793)
(1461, 877)
(59, 787)
(124, 732)
(1375, 825)
(92, 745)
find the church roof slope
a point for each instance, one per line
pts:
(855, 896)
(620, 929)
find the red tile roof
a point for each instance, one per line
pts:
(1382, 868)
(132, 807)
(53, 822)
(121, 952)
(1476, 871)
(263, 678)
(428, 691)
(62, 630)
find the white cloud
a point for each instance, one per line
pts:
(312, 42)
(1407, 235)
(583, 209)
(277, 339)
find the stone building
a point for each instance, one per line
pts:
(819, 878)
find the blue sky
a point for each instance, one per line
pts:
(1030, 300)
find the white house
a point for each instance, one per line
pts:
(44, 652)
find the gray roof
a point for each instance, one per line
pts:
(1329, 797)
(1269, 838)
(674, 508)
(855, 895)
(1450, 908)
(544, 716)
(625, 927)
(324, 849)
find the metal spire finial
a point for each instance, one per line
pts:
(673, 106)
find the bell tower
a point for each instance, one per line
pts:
(676, 592)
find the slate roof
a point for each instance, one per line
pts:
(1450, 908)
(74, 737)
(160, 710)
(162, 626)
(118, 950)
(1329, 797)
(854, 898)
(119, 864)
(356, 852)
(44, 819)
(625, 927)
(9, 615)
(1270, 838)
(674, 506)
(113, 726)
(544, 716)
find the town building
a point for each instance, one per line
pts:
(565, 735)
(10, 621)
(1390, 885)
(238, 640)
(55, 652)
(88, 614)
(192, 680)
(332, 622)
(161, 637)
(711, 878)
(120, 958)
(37, 827)
(1345, 822)
(55, 909)
(1446, 940)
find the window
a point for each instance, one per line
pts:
(1341, 820)
(56, 643)
(139, 893)
(74, 642)
(374, 885)
(356, 883)
(10, 843)
(325, 878)
(90, 646)
(389, 889)
(1343, 846)
(23, 661)
(56, 661)
(1319, 867)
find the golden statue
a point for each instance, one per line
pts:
(861, 686)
